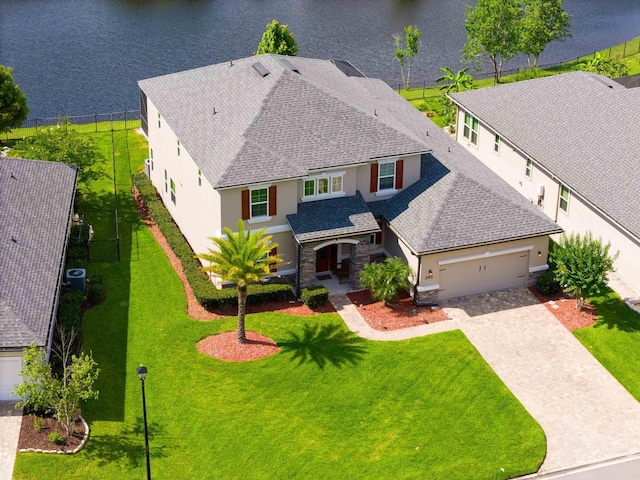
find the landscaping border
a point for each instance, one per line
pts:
(63, 452)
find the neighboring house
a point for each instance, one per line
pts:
(340, 170)
(36, 208)
(570, 144)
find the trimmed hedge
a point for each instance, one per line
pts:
(69, 305)
(205, 292)
(547, 284)
(315, 296)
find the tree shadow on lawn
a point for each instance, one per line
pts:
(323, 344)
(614, 314)
(127, 446)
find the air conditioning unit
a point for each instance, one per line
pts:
(77, 279)
(147, 167)
(540, 190)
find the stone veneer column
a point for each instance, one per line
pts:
(307, 265)
(428, 297)
(359, 258)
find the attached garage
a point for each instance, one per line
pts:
(497, 270)
(9, 375)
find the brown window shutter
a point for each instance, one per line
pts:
(399, 172)
(378, 238)
(374, 178)
(246, 212)
(273, 209)
(273, 267)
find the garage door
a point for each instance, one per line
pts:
(483, 275)
(9, 374)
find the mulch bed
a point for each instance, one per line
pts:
(225, 347)
(400, 314)
(31, 438)
(563, 307)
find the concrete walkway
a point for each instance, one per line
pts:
(586, 414)
(10, 422)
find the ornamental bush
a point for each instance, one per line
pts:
(315, 297)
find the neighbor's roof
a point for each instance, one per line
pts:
(581, 127)
(36, 200)
(282, 125)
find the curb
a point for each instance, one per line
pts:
(62, 451)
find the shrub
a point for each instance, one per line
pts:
(55, 437)
(95, 289)
(69, 309)
(547, 284)
(315, 297)
(205, 292)
(38, 423)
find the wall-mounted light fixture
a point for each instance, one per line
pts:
(430, 274)
(539, 253)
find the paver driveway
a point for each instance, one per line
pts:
(585, 413)
(10, 421)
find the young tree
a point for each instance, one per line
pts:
(385, 279)
(582, 264)
(458, 82)
(544, 21)
(13, 103)
(277, 39)
(242, 258)
(44, 391)
(59, 144)
(493, 29)
(407, 51)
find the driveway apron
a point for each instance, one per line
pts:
(10, 422)
(586, 414)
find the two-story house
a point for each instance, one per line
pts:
(338, 168)
(570, 144)
(36, 209)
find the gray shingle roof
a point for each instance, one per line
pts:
(336, 217)
(36, 200)
(282, 125)
(581, 127)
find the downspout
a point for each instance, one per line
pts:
(54, 310)
(415, 286)
(555, 219)
(299, 249)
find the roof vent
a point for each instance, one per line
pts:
(288, 65)
(261, 69)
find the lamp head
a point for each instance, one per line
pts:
(142, 372)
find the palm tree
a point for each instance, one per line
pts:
(242, 258)
(385, 279)
(457, 81)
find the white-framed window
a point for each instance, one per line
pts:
(470, 131)
(178, 147)
(528, 168)
(321, 186)
(166, 185)
(199, 178)
(386, 175)
(259, 202)
(173, 190)
(564, 199)
(496, 145)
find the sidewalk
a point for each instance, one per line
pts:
(10, 422)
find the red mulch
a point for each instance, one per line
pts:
(31, 438)
(563, 307)
(225, 347)
(198, 312)
(395, 316)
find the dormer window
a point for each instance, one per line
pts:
(323, 186)
(386, 176)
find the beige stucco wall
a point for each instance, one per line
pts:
(536, 262)
(581, 217)
(410, 175)
(197, 207)
(395, 247)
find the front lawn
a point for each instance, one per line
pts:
(329, 405)
(615, 340)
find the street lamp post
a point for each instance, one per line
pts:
(142, 374)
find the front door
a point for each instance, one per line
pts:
(326, 258)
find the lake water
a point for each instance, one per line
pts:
(77, 57)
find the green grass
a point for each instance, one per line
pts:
(118, 125)
(615, 340)
(329, 405)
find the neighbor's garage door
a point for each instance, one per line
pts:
(9, 374)
(483, 275)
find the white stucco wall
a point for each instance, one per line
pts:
(581, 217)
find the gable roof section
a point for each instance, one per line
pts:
(36, 200)
(278, 126)
(581, 127)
